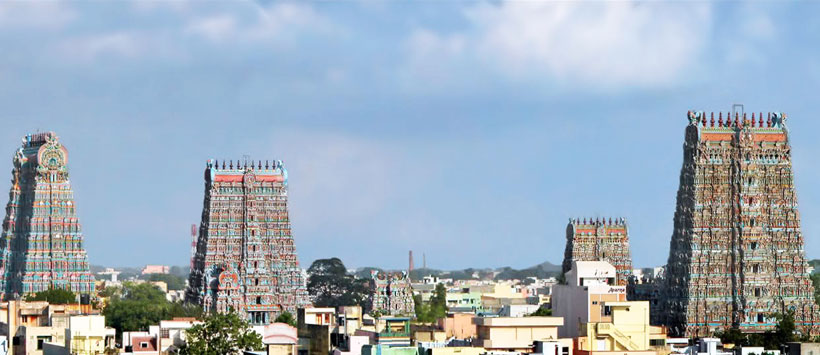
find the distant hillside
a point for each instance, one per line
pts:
(542, 270)
(815, 263)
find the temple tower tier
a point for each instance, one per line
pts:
(736, 256)
(599, 239)
(42, 243)
(245, 259)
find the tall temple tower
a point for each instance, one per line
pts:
(736, 255)
(599, 239)
(42, 244)
(245, 259)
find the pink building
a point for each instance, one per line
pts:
(156, 269)
(458, 325)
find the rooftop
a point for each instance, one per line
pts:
(519, 321)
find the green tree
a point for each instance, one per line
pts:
(286, 317)
(422, 309)
(221, 334)
(438, 303)
(429, 312)
(542, 312)
(784, 332)
(54, 296)
(732, 336)
(174, 282)
(183, 309)
(331, 285)
(137, 307)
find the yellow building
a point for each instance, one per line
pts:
(428, 334)
(89, 335)
(456, 350)
(623, 328)
(515, 334)
(501, 294)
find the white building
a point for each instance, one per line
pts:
(589, 285)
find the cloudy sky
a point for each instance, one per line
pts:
(466, 130)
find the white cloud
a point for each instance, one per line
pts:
(275, 22)
(214, 28)
(600, 43)
(35, 14)
(90, 48)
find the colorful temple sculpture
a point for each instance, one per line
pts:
(599, 239)
(42, 244)
(391, 293)
(245, 260)
(736, 255)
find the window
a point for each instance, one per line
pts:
(755, 268)
(165, 333)
(42, 339)
(757, 292)
(607, 310)
(754, 245)
(143, 344)
(657, 342)
(760, 318)
(258, 300)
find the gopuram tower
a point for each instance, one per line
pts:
(245, 260)
(736, 257)
(599, 240)
(42, 244)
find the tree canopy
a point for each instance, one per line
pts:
(436, 308)
(221, 334)
(332, 286)
(286, 317)
(541, 312)
(54, 296)
(137, 306)
(784, 332)
(174, 282)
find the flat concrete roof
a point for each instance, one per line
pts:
(519, 321)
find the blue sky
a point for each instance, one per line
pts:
(466, 130)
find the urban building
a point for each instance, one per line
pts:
(279, 339)
(590, 284)
(392, 293)
(497, 295)
(88, 335)
(314, 327)
(139, 343)
(515, 334)
(156, 269)
(622, 328)
(41, 328)
(379, 349)
(464, 302)
(599, 239)
(245, 258)
(736, 255)
(393, 331)
(42, 242)
(518, 310)
(458, 325)
(458, 350)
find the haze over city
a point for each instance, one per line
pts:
(459, 124)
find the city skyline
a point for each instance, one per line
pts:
(428, 136)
